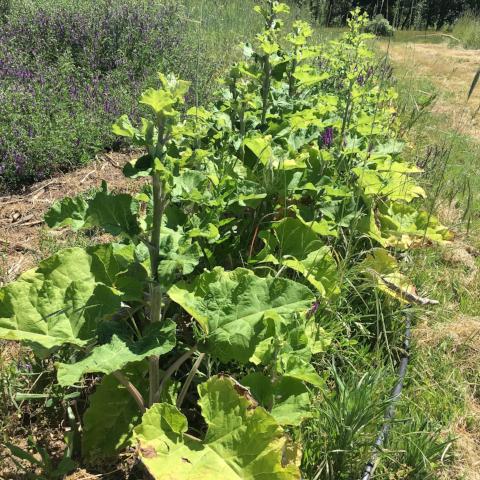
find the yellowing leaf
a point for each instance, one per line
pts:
(260, 147)
(384, 271)
(307, 76)
(158, 99)
(243, 441)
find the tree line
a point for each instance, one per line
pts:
(402, 14)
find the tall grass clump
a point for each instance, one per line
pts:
(467, 29)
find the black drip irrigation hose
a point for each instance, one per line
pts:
(396, 392)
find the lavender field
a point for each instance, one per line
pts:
(69, 68)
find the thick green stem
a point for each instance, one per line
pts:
(156, 293)
(157, 224)
(265, 86)
(171, 370)
(291, 79)
(188, 381)
(242, 131)
(153, 377)
(131, 389)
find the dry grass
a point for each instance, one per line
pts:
(454, 342)
(451, 70)
(449, 214)
(457, 254)
(467, 448)
(81, 475)
(463, 337)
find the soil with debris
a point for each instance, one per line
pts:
(21, 215)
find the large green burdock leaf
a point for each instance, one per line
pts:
(158, 339)
(308, 76)
(397, 224)
(260, 147)
(286, 398)
(62, 301)
(319, 268)
(394, 185)
(289, 347)
(230, 308)
(401, 223)
(114, 213)
(112, 413)
(293, 243)
(243, 441)
(68, 212)
(178, 256)
(290, 237)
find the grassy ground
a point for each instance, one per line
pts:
(420, 36)
(443, 383)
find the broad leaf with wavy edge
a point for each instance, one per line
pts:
(60, 302)
(397, 224)
(230, 308)
(114, 213)
(158, 339)
(243, 441)
(286, 398)
(112, 413)
(293, 243)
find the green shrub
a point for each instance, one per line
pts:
(380, 27)
(5, 8)
(67, 71)
(467, 30)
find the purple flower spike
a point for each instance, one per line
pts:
(19, 160)
(313, 309)
(327, 137)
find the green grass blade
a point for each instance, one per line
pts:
(22, 454)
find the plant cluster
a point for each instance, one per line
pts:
(64, 69)
(467, 30)
(380, 27)
(224, 268)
